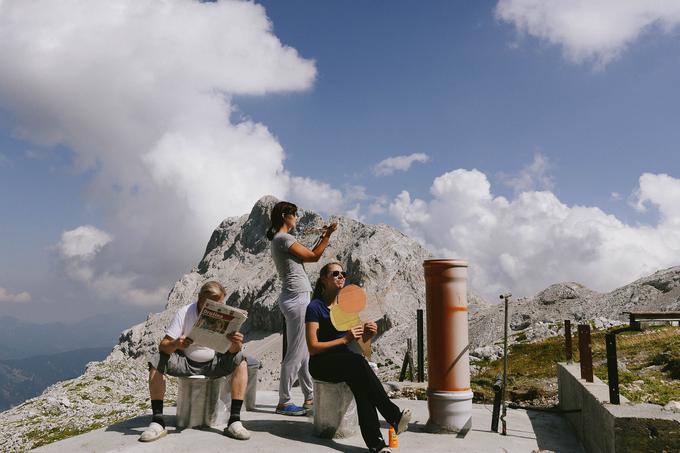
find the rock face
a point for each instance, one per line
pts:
(542, 315)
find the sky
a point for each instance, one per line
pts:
(537, 139)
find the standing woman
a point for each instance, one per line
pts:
(332, 360)
(289, 256)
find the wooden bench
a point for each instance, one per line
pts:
(637, 317)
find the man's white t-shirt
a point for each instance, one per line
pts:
(181, 325)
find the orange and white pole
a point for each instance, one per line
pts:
(449, 396)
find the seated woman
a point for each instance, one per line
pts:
(332, 361)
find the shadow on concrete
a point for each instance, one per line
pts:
(298, 431)
(552, 430)
(135, 426)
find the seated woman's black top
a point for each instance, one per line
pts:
(318, 311)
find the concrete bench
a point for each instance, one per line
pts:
(203, 401)
(335, 411)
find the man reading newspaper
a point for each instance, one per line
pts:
(179, 356)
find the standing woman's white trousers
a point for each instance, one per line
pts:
(296, 362)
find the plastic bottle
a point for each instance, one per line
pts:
(393, 439)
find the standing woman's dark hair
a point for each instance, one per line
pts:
(278, 213)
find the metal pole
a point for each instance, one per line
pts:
(612, 368)
(505, 297)
(567, 340)
(585, 352)
(498, 389)
(421, 347)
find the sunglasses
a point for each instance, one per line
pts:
(336, 274)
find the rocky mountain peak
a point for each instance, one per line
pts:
(562, 292)
(384, 261)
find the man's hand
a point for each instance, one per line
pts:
(183, 342)
(236, 339)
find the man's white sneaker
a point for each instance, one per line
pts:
(153, 432)
(237, 431)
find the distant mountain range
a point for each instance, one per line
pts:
(21, 339)
(21, 379)
(35, 356)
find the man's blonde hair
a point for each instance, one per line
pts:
(211, 288)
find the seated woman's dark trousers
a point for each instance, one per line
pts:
(368, 391)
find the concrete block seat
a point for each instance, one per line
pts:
(203, 401)
(335, 411)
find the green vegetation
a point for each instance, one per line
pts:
(44, 436)
(521, 337)
(47, 436)
(649, 367)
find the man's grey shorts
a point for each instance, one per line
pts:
(177, 364)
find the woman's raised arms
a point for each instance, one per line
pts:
(312, 256)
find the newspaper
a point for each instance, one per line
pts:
(214, 323)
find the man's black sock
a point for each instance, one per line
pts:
(157, 410)
(235, 413)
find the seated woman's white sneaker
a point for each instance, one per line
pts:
(403, 421)
(153, 432)
(237, 431)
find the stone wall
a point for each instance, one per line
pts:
(603, 427)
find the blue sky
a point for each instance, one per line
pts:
(105, 146)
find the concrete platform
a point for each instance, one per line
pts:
(527, 431)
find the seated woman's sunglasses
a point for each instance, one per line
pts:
(339, 273)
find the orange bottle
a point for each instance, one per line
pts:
(393, 441)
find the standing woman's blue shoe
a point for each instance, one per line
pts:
(291, 409)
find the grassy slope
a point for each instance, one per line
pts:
(651, 356)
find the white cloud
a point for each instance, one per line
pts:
(149, 87)
(315, 195)
(398, 163)
(379, 206)
(83, 242)
(615, 196)
(663, 192)
(535, 176)
(595, 31)
(78, 249)
(533, 240)
(6, 296)
(355, 213)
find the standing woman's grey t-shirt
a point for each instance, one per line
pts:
(289, 266)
